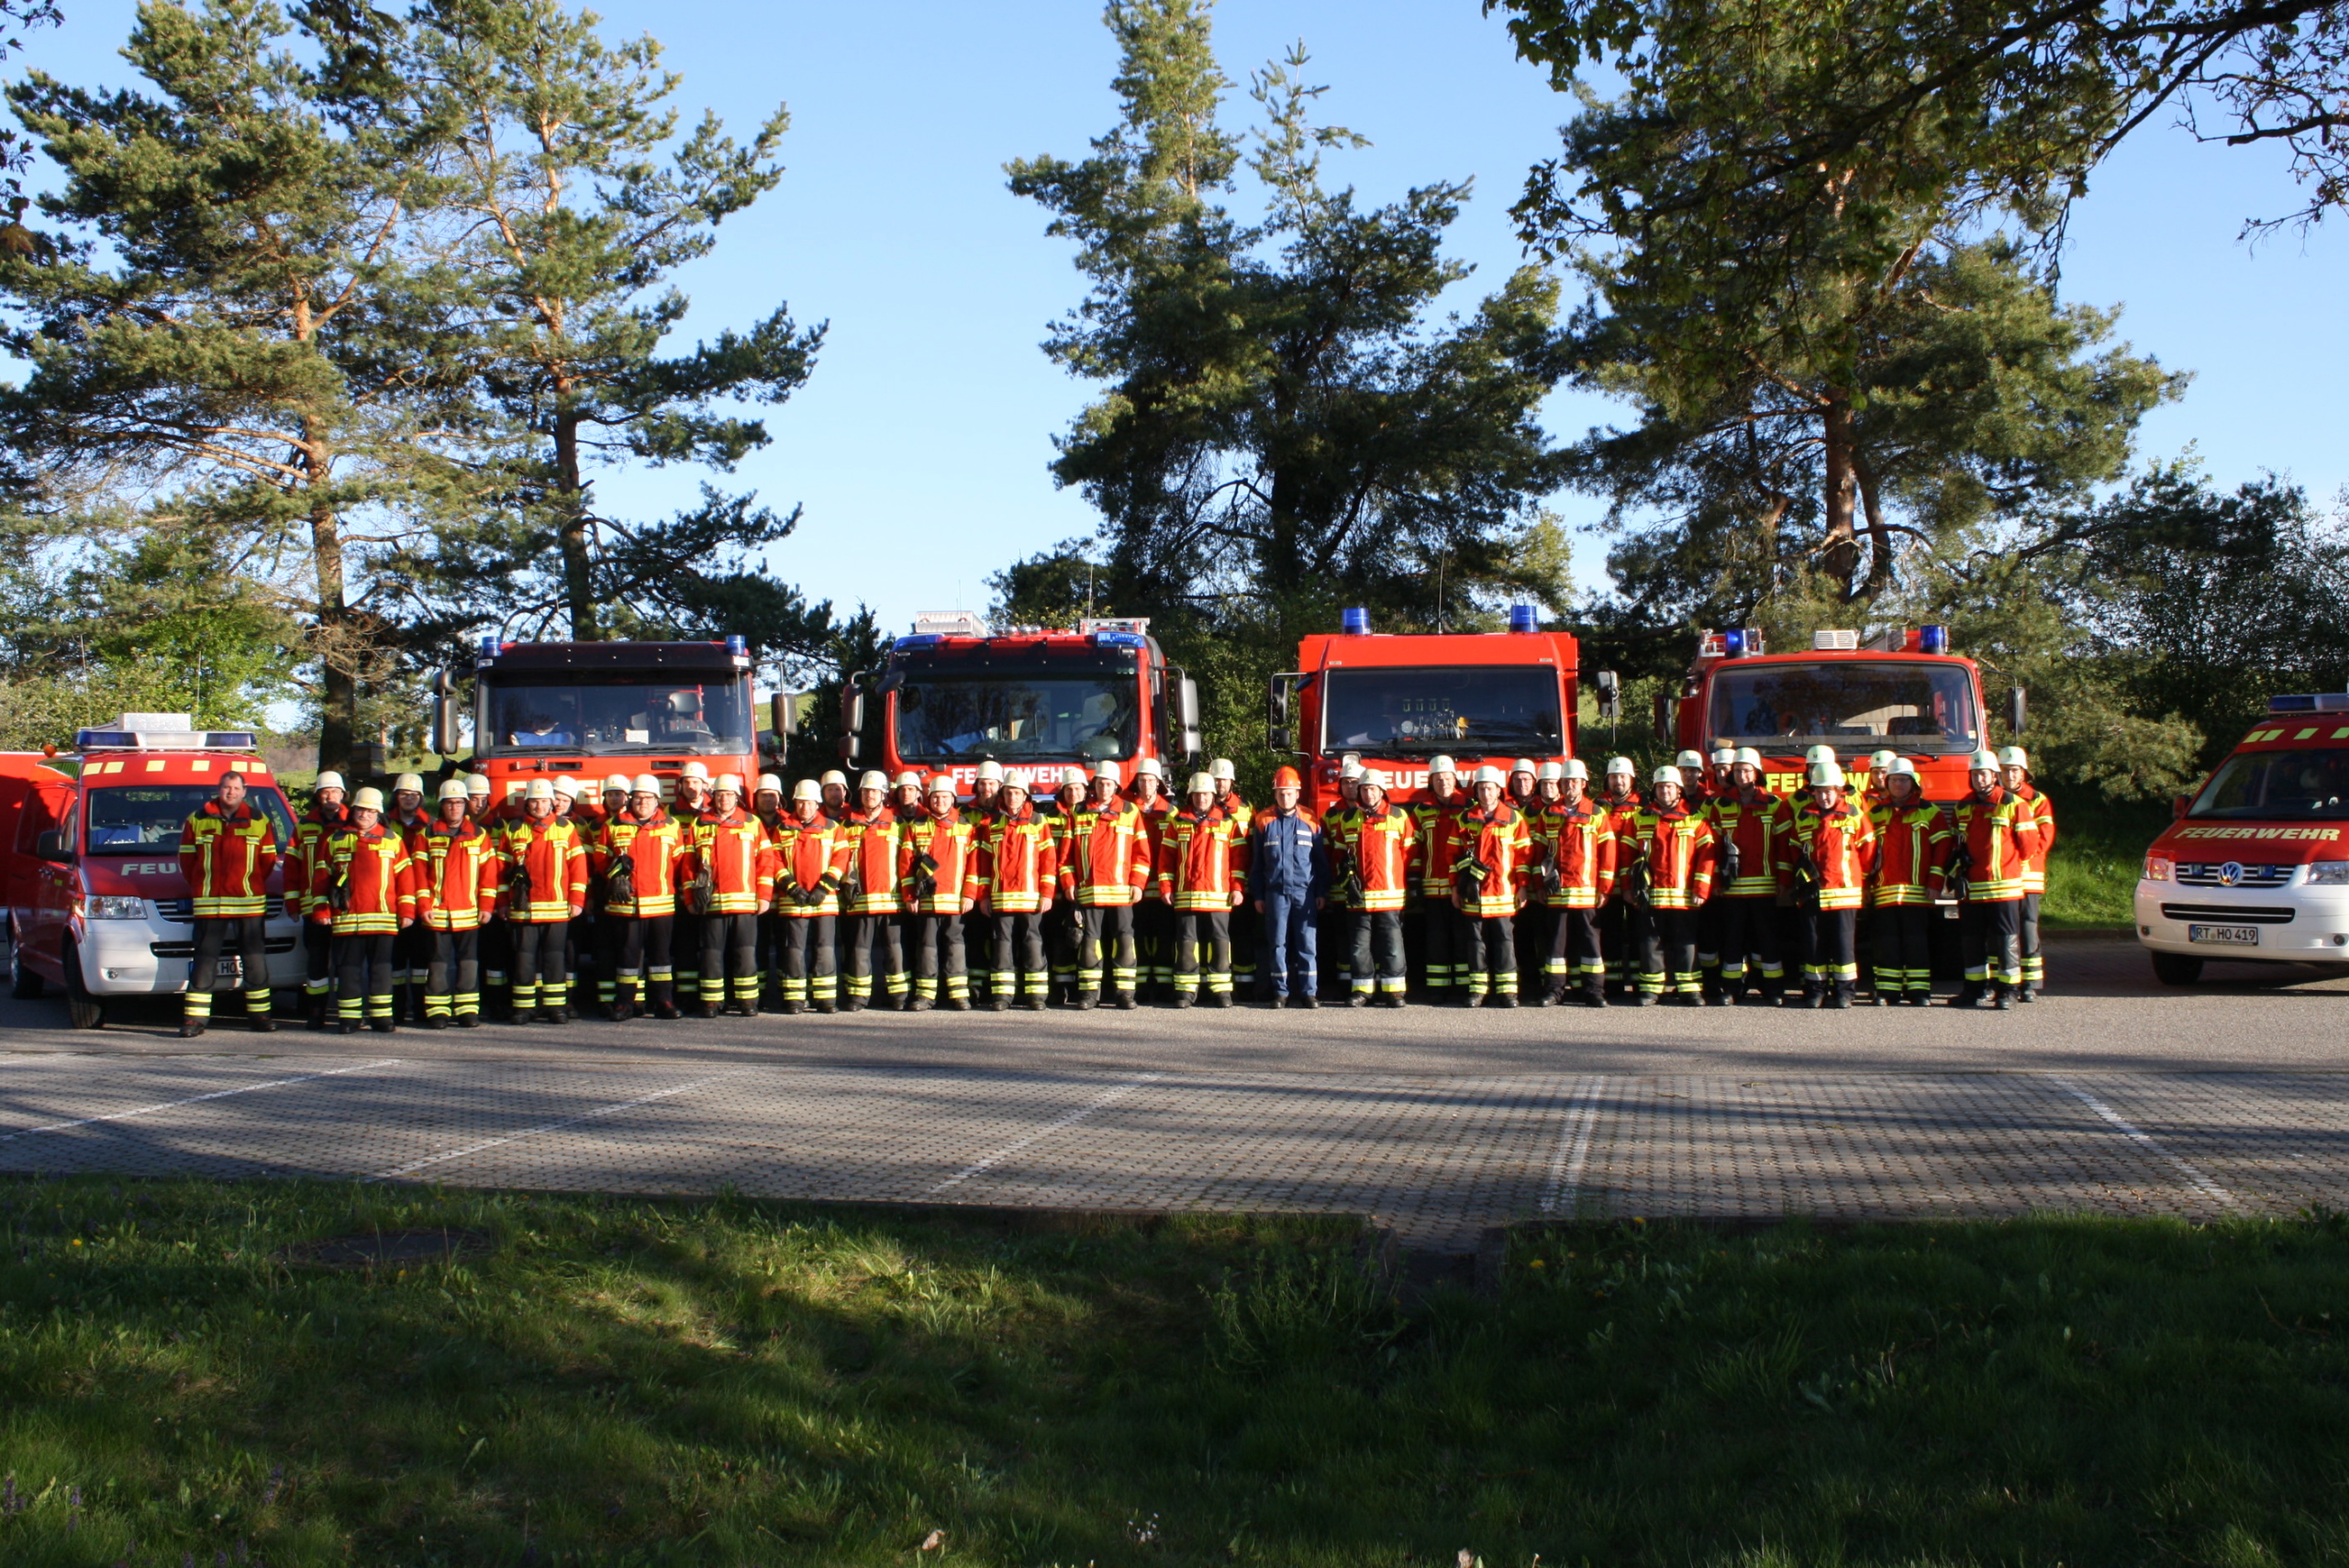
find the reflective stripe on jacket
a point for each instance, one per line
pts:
(741, 863)
(1577, 841)
(806, 864)
(954, 869)
(368, 871)
(660, 856)
(1202, 859)
(1501, 842)
(1913, 846)
(1675, 847)
(1842, 847)
(1104, 853)
(1996, 834)
(554, 855)
(226, 858)
(1018, 861)
(1376, 846)
(456, 874)
(1763, 833)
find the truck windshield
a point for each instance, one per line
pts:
(2278, 786)
(621, 712)
(944, 718)
(1486, 707)
(1853, 704)
(145, 819)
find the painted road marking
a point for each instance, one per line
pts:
(557, 1126)
(197, 1099)
(2194, 1177)
(1066, 1118)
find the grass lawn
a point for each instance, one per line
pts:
(621, 1382)
(2099, 849)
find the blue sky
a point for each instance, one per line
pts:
(921, 447)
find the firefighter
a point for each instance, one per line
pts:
(2014, 776)
(567, 793)
(835, 784)
(1693, 793)
(905, 797)
(986, 789)
(1664, 867)
(1104, 867)
(1443, 934)
(693, 792)
(766, 804)
(1834, 854)
(1879, 768)
(736, 859)
(1373, 853)
(1995, 837)
(456, 874)
(226, 851)
(366, 892)
(327, 813)
(1288, 873)
(1344, 887)
(1523, 783)
(1203, 877)
(1019, 863)
(1713, 785)
(1912, 848)
(1752, 856)
(869, 899)
(978, 926)
(1154, 922)
(615, 794)
(1577, 855)
(1234, 805)
(642, 855)
(477, 805)
(1620, 798)
(938, 876)
(1063, 926)
(1490, 853)
(544, 860)
(1537, 922)
(811, 859)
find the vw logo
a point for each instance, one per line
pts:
(2229, 873)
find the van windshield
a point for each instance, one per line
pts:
(2278, 786)
(946, 718)
(145, 819)
(1853, 704)
(609, 714)
(1418, 712)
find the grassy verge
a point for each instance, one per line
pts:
(627, 1382)
(2100, 848)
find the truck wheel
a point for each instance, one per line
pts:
(83, 1011)
(24, 979)
(2176, 969)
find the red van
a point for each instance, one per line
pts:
(89, 860)
(2256, 868)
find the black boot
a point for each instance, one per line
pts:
(1307, 1002)
(854, 1004)
(435, 1021)
(1186, 998)
(2006, 999)
(1594, 995)
(1843, 997)
(1968, 996)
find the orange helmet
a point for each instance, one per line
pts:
(1285, 778)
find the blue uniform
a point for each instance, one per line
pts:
(1288, 871)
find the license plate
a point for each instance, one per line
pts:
(2225, 935)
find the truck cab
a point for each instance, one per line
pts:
(97, 904)
(956, 692)
(1397, 700)
(2255, 866)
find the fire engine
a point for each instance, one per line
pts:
(955, 693)
(1398, 699)
(97, 904)
(1902, 691)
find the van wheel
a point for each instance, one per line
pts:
(83, 1011)
(24, 979)
(2176, 969)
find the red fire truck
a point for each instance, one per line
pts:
(1398, 699)
(1903, 691)
(955, 693)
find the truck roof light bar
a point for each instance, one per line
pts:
(948, 623)
(1835, 641)
(2312, 702)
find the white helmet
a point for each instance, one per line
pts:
(330, 780)
(2014, 756)
(540, 789)
(1441, 763)
(452, 789)
(834, 776)
(1072, 775)
(1983, 761)
(1549, 773)
(408, 781)
(1689, 760)
(1522, 765)
(370, 799)
(1819, 754)
(1376, 778)
(807, 789)
(1107, 770)
(1148, 768)
(1747, 757)
(1823, 774)
(1351, 768)
(872, 779)
(615, 783)
(1575, 769)
(645, 784)
(771, 783)
(1880, 760)
(1201, 783)
(475, 783)
(990, 772)
(1726, 757)
(1901, 768)
(1221, 768)
(566, 786)
(908, 780)
(1666, 774)
(731, 781)
(1488, 774)
(1014, 780)
(1620, 765)
(695, 771)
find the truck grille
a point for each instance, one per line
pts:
(2243, 915)
(2207, 873)
(184, 909)
(187, 949)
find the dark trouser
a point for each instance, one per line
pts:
(770, 954)
(1990, 934)
(1575, 956)
(1619, 939)
(1749, 943)
(453, 976)
(1492, 955)
(497, 961)
(411, 954)
(2035, 968)
(249, 935)
(1904, 966)
(1105, 943)
(873, 946)
(1202, 934)
(1154, 944)
(1667, 939)
(1288, 945)
(1835, 953)
(937, 956)
(1064, 942)
(811, 962)
(1378, 952)
(639, 970)
(1534, 939)
(1709, 920)
(1448, 954)
(541, 977)
(362, 977)
(317, 955)
(1017, 944)
(1243, 965)
(729, 949)
(978, 945)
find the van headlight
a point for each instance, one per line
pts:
(108, 906)
(2158, 868)
(2329, 873)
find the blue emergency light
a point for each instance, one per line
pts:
(2315, 702)
(920, 639)
(488, 647)
(738, 646)
(1521, 618)
(1119, 640)
(1933, 638)
(1357, 621)
(1733, 643)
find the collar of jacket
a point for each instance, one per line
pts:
(370, 834)
(1500, 815)
(880, 817)
(466, 827)
(1997, 797)
(951, 814)
(242, 813)
(317, 814)
(1843, 807)
(1019, 818)
(1672, 813)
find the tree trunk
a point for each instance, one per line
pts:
(1879, 535)
(570, 495)
(1839, 553)
(337, 660)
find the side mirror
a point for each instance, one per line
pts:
(51, 847)
(2018, 710)
(852, 719)
(1610, 688)
(2179, 805)
(1280, 711)
(1186, 713)
(1663, 716)
(782, 723)
(444, 716)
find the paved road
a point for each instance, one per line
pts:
(2112, 1095)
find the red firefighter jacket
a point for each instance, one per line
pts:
(1913, 846)
(1499, 841)
(1203, 859)
(1433, 818)
(302, 855)
(456, 874)
(554, 855)
(1841, 845)
(740, 860)
(811, 860)
(660, 856)
(871, 886)
(226, 857)
(1676, 847)
(1996, 834)
(1764, 833)
(1104, 853)
(1018, 861)
(2042, 822)
(953, 874)
(1579, 843)
(367, 871)
(1376, 849)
